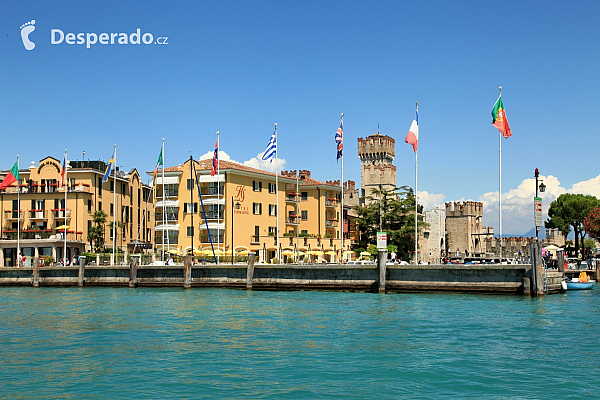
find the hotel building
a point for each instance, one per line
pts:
(36, 207)
(240, 205)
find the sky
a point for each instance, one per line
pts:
(238, 67)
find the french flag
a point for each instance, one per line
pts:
(413, 133)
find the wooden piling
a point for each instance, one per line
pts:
(187, 272)
(35, 281)
(81, 271)
(250, 271)
(537, 269)
(526, 286)
(560, 259)
(133, 267)
(381, 270)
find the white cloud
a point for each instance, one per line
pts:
(429, 201)
(258, 162)
(222, 156)
(517, 204)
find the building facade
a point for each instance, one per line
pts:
(44, 210)
(239, 210)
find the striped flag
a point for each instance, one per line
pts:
(339, 139)
(271, 148)
(412, 137)
(215, 160)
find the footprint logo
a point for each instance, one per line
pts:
(26, 29)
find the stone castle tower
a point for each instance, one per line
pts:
(465, 228)
(376, 154)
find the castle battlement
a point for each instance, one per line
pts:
(378, 148)
(463, 209)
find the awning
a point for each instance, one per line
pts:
(209, 178)
(167, 203)
(213, 200)
(213, 225)
(173, 227)
(168, 180)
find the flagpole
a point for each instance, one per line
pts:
(342, 217)
(500, 193)
(164, 211)
(416, 200)
(19, 260)
(276, 200)
(115, 204)
(66, 186)
(218, 193)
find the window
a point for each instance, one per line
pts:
(112, 186)
(272, 230)
(272, 210)
(256, 186)
(304, 196)
(190, 184)
(256, 236)
(257, 208)
(271, 188)
(89, 205)
(190, 231)
(139, 198)
(99, 206)
(304, 231)
(112, 209)
(100, 187)
(89, 223)
(304, 215)
(189, 208)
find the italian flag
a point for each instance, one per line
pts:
(12, 177)
(499, 118)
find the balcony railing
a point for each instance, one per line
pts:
(61, 213)
(332, 223)
(208, 191)
(214, 238)
(13, 215)
(291, 197)
(214, 215)
(171, 240)
(168, 217)
(331, 203)
(292, 220)
(38, 215)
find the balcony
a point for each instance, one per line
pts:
(13, 215)
(255, 239)
(214, 238)
(291, 197)
(331, 223)
(38, 215)
(332, 202)
(169, 217)
(212, 191)
(61, 213)
(292, 220)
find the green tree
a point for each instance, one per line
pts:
(96, 233)
(569, 211)
(391, 211)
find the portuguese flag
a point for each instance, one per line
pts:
(499, 118)
(13, 176)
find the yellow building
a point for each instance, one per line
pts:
(241, 212)
(39, 209)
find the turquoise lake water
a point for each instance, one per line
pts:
(121, 343)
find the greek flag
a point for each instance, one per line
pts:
(271, 148)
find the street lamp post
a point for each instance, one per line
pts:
(542, 189)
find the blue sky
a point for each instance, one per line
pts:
(238, 67)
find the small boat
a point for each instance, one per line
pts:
(581, 283)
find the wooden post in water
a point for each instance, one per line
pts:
(133, 267)
(187, 272)
(81, 271)
(35, 281)
(597, 271)
(381, 269)
(250, 271)
(537, 269)
(560, 259)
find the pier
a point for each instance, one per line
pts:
(519, 279)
